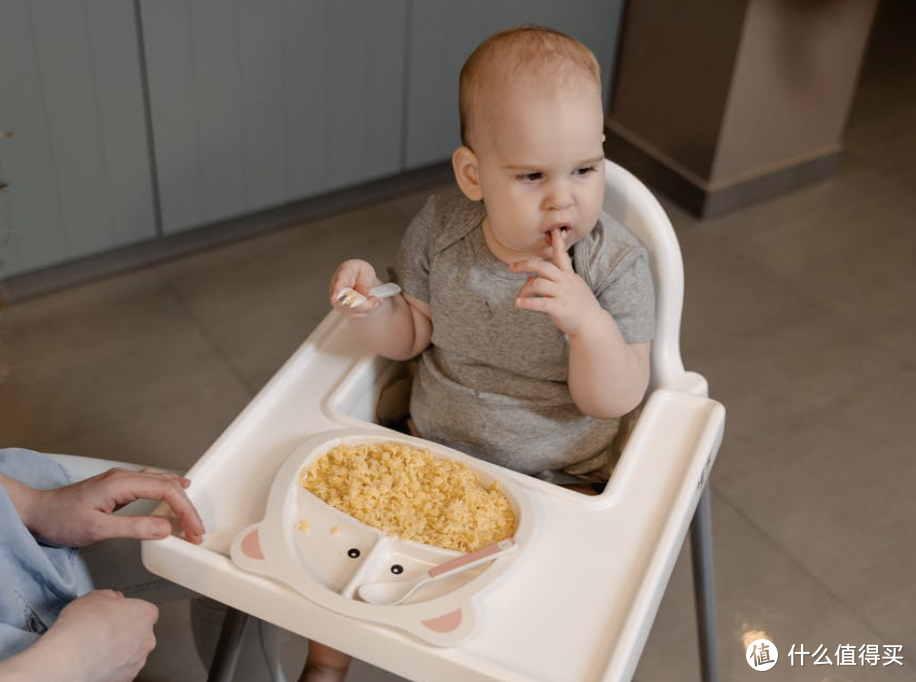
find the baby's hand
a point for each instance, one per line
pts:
(557, 290)
(359, 275)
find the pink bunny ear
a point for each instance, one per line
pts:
(251, 546)
(446, 623)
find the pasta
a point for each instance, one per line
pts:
(407, 491)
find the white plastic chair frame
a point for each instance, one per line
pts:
(634, 206)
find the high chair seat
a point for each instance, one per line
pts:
(635, 207)
(613, 551)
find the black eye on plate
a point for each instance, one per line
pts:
(353, 553)
(397, 569)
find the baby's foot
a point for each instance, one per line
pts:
(318, 673)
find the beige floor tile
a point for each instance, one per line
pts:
(857, 262)
(259, 299)
(888, 316)
(833, 488)
(759, 589)
(843, 250)
(730, 298)
(173, 436)
(790, 371)
(90, 358)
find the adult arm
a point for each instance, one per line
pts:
(100, 637)
(83, 513)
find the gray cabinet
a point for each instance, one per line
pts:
(254, 103)
(78, 163)
(135, 120)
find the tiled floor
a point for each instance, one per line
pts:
(800, 311)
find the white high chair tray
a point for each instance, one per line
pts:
(577, 603)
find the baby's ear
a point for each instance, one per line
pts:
(464, 163)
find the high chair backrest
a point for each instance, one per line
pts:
(634, 206)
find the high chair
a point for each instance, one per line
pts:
(613, 552)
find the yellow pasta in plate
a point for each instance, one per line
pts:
(406, 490)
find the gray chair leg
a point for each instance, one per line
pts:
(704, 587)
(226, 656)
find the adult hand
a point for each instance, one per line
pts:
(557, 290)
(361, 276)
(100, 637)
(83, 513)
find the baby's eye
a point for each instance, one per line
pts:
(530, 177)
(585, 170)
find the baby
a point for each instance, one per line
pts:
(531, 311)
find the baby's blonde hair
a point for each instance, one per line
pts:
(520, 53)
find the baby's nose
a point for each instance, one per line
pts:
(559, 198)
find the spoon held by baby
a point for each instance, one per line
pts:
(351, 298)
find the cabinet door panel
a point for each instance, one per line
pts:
(78, 163)
(255, 103)
(263, 82)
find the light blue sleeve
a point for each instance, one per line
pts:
(39, 580)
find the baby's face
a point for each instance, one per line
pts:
(541, 167)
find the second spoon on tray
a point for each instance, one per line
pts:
(395, 591)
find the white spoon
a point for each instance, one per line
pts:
(395, 591)
(353, 299)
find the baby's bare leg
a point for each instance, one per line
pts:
(324, 664)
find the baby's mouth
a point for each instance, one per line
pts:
(564, 233)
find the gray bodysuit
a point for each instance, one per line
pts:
(493, 382)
